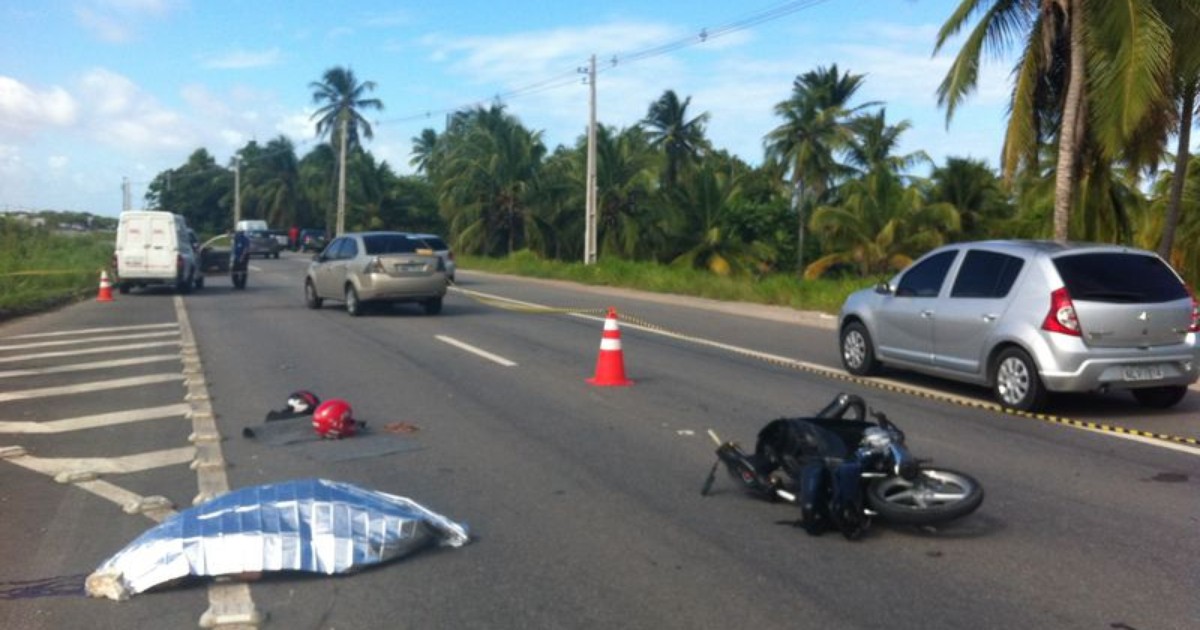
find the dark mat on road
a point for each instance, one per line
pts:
(298, 436)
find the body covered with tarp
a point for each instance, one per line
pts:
(311, 525)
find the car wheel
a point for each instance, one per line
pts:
(1016, 383)
(122, 288)
(353, 306)
(1159, 397)
(311, 299)
(858, 352)
(199, 282)
(183, 285)
(433, 306)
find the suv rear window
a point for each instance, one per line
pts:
(1117, 277)
(389, 244)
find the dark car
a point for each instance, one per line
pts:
(311, 240)
(263, 243)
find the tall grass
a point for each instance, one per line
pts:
(780, 289)
(40, 268)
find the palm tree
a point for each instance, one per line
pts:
(1185, 84)
(272, 182)
(341, 97)
(975, 191)
(681, 140)
(816, 126)
(1089, 69)
(424, 147)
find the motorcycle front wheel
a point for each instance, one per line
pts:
(935, 495)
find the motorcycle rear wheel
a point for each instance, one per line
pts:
(936, 495)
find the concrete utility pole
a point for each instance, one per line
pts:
(237, 191)
(341, 200)
(126, 201)
(589, 244)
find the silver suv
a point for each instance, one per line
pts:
(1031, 317)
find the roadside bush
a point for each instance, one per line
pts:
(40, 268)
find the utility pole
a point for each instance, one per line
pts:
(237, 190)
(126, 202)
(341, 200)
(589, 243)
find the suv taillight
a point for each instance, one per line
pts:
(1195, 325)
(1061, 318)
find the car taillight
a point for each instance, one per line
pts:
(375, 266)
(178, 262)
(1061, 318)
(1195, 325)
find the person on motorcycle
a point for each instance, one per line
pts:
(239, 259)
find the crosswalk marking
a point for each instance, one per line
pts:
(98, 420)
(94, 365)
(67, 342)
(94, 386)
(53, 466)
(104, 349)
(88, 331)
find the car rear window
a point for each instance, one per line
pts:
(389, 244)
(1119, 277)
(434, 242)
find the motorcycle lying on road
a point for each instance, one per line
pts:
(843, 467)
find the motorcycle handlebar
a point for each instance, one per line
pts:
(842, 403)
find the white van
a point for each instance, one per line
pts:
(156, 248)
(251, 225)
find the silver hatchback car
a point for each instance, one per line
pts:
(1031, 317)
(363, 268)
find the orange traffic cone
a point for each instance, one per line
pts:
(105, 288)
(610, 366)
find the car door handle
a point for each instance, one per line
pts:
(990, 317)
(927, 314)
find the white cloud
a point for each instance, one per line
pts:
(58, 162)
(241, 59)
(123, 115)
(115, 21)
(25, 111)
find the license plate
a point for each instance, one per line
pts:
(410, 267)
(1143, 372)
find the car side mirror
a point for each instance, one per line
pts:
(883, 288)
(317, 257)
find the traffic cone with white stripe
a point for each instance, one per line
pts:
(105, 294)
(610, 365)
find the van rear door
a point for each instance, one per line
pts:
(150, 246)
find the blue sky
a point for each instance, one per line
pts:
(94, 91)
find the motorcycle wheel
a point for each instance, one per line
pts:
(934, 496)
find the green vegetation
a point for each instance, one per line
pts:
(825, 295)
(40, 267)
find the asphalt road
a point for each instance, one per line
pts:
(583, 502)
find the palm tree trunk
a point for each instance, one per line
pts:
(1182, 157)
(1064, 181)
(798, 207)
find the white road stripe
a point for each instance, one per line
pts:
(71, 353)
(67, 342)
(88, 331)
(822, 369)
(99, 420)
(472, 349)
(52, 466)
(94, 386)
(95, 365)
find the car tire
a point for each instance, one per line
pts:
(1015, 381)
(857, 350)
(311, 299)
(354, 307)
(199, 282)
(122, 288)
(1161, 397)
(433, 306)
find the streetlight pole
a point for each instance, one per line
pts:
(237, 190)
(341, 200)
(589, 245)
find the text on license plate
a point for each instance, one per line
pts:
(1143, 372)
(407, 267)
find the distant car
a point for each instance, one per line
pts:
(364, 268)
(439, 246)
(263, 243)
(311, 240)
(1031, 317)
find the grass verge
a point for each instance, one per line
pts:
(40, 269)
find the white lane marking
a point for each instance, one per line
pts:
(98, 420)
(68, 342)
(228, 604)
(71, 353)
(821, 369)
(122, 497)
(94, 386)
(95, 365)
(88, 331)
(473, 350)
(53, 466)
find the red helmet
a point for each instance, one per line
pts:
(302, 401)
(334, 419)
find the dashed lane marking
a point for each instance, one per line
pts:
(68, 342)
(101, 350)
(89, 331)
(95, 386)
(476, 351)
(98, 420)
(94, 365)
(53, 466)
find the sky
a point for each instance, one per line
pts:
(94, 93)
